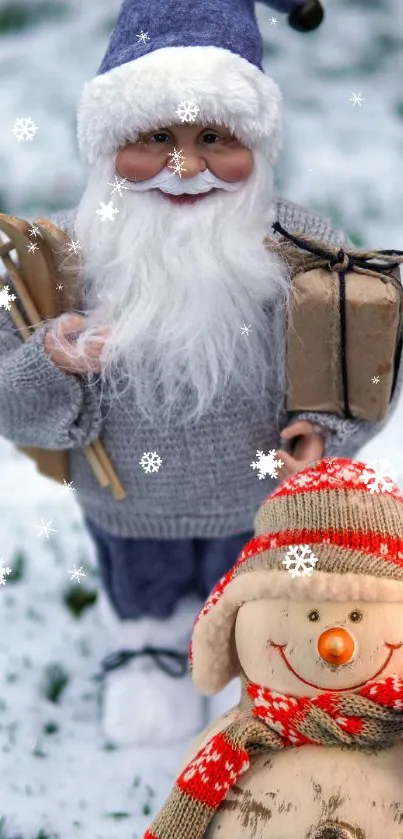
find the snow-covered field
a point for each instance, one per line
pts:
(58, 777)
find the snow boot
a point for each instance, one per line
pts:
(147, 695)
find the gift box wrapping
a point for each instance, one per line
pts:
(371, 311)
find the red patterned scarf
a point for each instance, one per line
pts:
(368, 719)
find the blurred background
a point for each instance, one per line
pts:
(58, 779)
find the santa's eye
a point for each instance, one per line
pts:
(210, 137)
(313, 615)
(355, 616)
(159, 137)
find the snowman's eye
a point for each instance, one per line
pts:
(313, 615)
(355, 616)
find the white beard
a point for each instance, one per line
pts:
(175, 285)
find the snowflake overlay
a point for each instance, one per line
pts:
(6, 298)
(32, 247)
(375, 380)
(176, 163)
(300, 561)
(24, 129)
(44, 529)
(150, 462)
(245, 329)
(118, 185)
(4, 570)
(107, 212)
(356, 99)
(377, 477)
(77, 573)
(267, 464)
(144, 37)
(187, 110)
(74, 246)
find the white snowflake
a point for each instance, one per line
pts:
(144, 37)
(118, 185)
(4, 570)
(375, 380)
(378, 477)
(150, 462)
(356, 99)
(34, 231)
(45, 529)
(6, 298)
(267, 464)
(77, 573)
(74, 246)
(300, 560)
(24, 129)
(273, 21)
(187, 110)
(107, 212)
(68, 486)
(176, 163)
(246, 329)
(32, 247)
(59, 286)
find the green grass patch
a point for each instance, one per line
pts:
(118, 816)
(78, 599)
(18, 17)
(51, 728)
(18, 565)
(56, 680)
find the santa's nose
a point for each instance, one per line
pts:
(336, 646)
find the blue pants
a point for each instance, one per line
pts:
(147, 577)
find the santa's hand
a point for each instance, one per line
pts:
(60, 347)
(308, 448)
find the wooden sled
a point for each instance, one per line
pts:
(41, 278)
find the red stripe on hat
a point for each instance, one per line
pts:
(389, 548)
(386, 547)
(336, 473)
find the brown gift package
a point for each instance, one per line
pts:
(366, 324)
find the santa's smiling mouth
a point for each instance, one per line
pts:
(186, 199)
(280, 647)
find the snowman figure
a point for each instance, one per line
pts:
(310, 619)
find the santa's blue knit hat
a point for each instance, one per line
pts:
(161, 54)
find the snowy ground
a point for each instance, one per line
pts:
(58, 778)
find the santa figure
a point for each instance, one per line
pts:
(175, 356)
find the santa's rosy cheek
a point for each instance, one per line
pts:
(236, 166)
(137, 165)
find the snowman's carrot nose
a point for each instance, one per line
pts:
(336, 646)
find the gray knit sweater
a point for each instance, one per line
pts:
(205, 486)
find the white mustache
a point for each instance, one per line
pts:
(169, 182)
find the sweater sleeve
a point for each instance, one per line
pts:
(41, 405)
(343, 437)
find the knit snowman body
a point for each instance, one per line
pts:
(310, 791)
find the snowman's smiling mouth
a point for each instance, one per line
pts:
(391, 648)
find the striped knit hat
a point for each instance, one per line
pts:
(333, 531)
